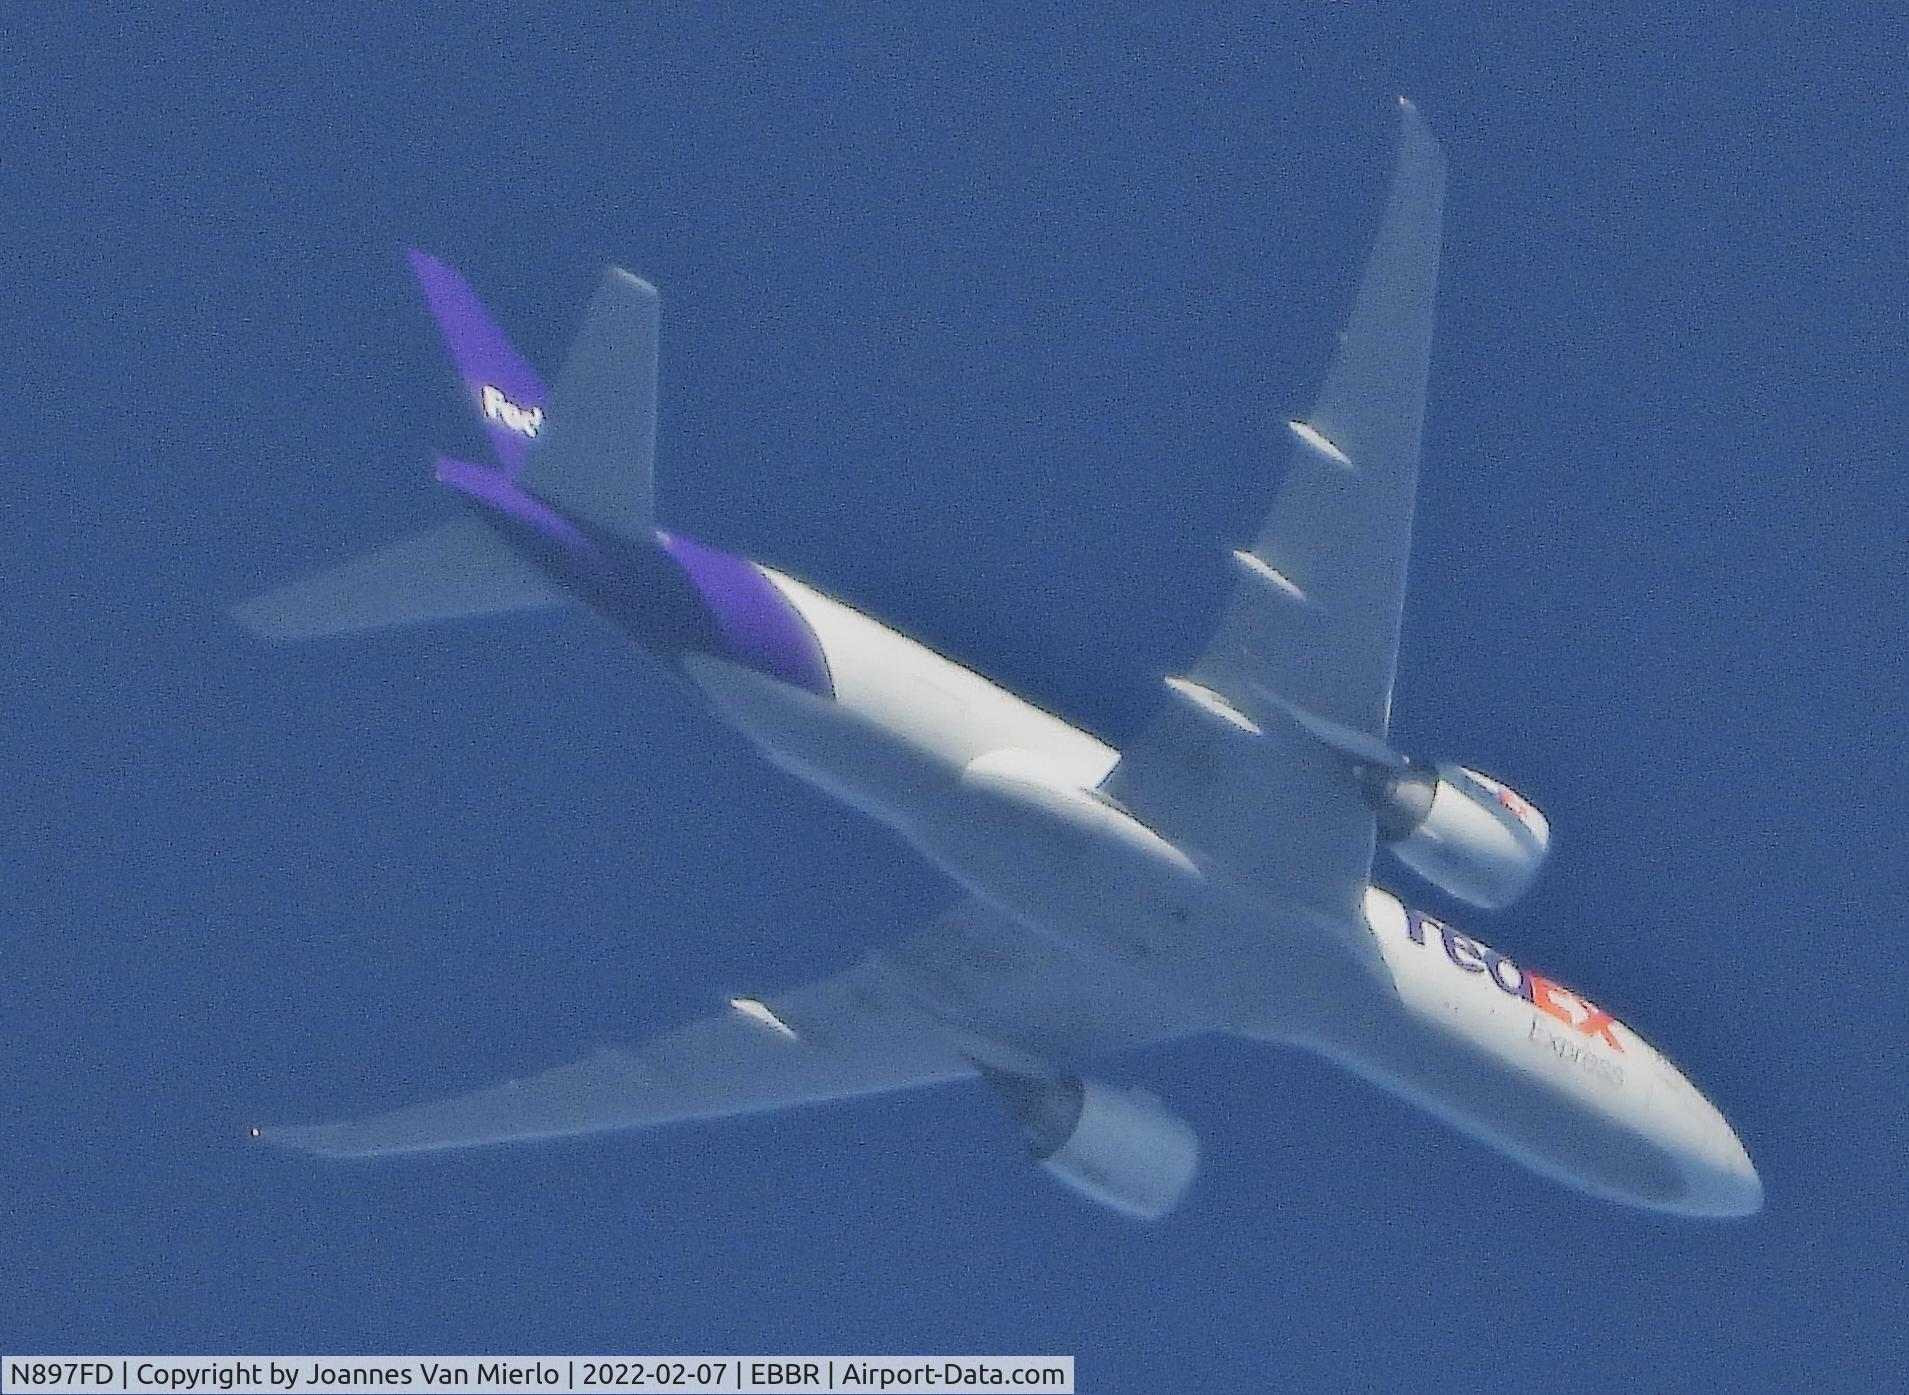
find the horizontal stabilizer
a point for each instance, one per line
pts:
(457, 569)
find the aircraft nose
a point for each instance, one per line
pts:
(1723, 1181)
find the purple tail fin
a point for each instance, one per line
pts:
(507, 393)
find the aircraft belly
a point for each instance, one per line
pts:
(994, 837)
(1053, 856)
(927, 700)
(824, 743)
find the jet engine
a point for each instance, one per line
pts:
(1463, 832)
(1120, 1148)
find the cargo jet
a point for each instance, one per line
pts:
(1215, 875)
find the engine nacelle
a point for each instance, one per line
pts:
(1120, 1148)
(1463, 832)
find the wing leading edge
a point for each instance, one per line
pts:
(970, 984)
(1310, 636)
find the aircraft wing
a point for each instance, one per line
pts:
(1309, 640)
(971, 985)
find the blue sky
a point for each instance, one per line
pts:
(986, 320)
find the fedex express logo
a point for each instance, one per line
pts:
(525, 421)
(1552, 999)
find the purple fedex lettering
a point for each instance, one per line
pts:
(1508, 975)
(1549, 997)
(1462, 950)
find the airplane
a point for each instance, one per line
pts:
(1213, 876)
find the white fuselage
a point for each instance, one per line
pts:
(1003, 796)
